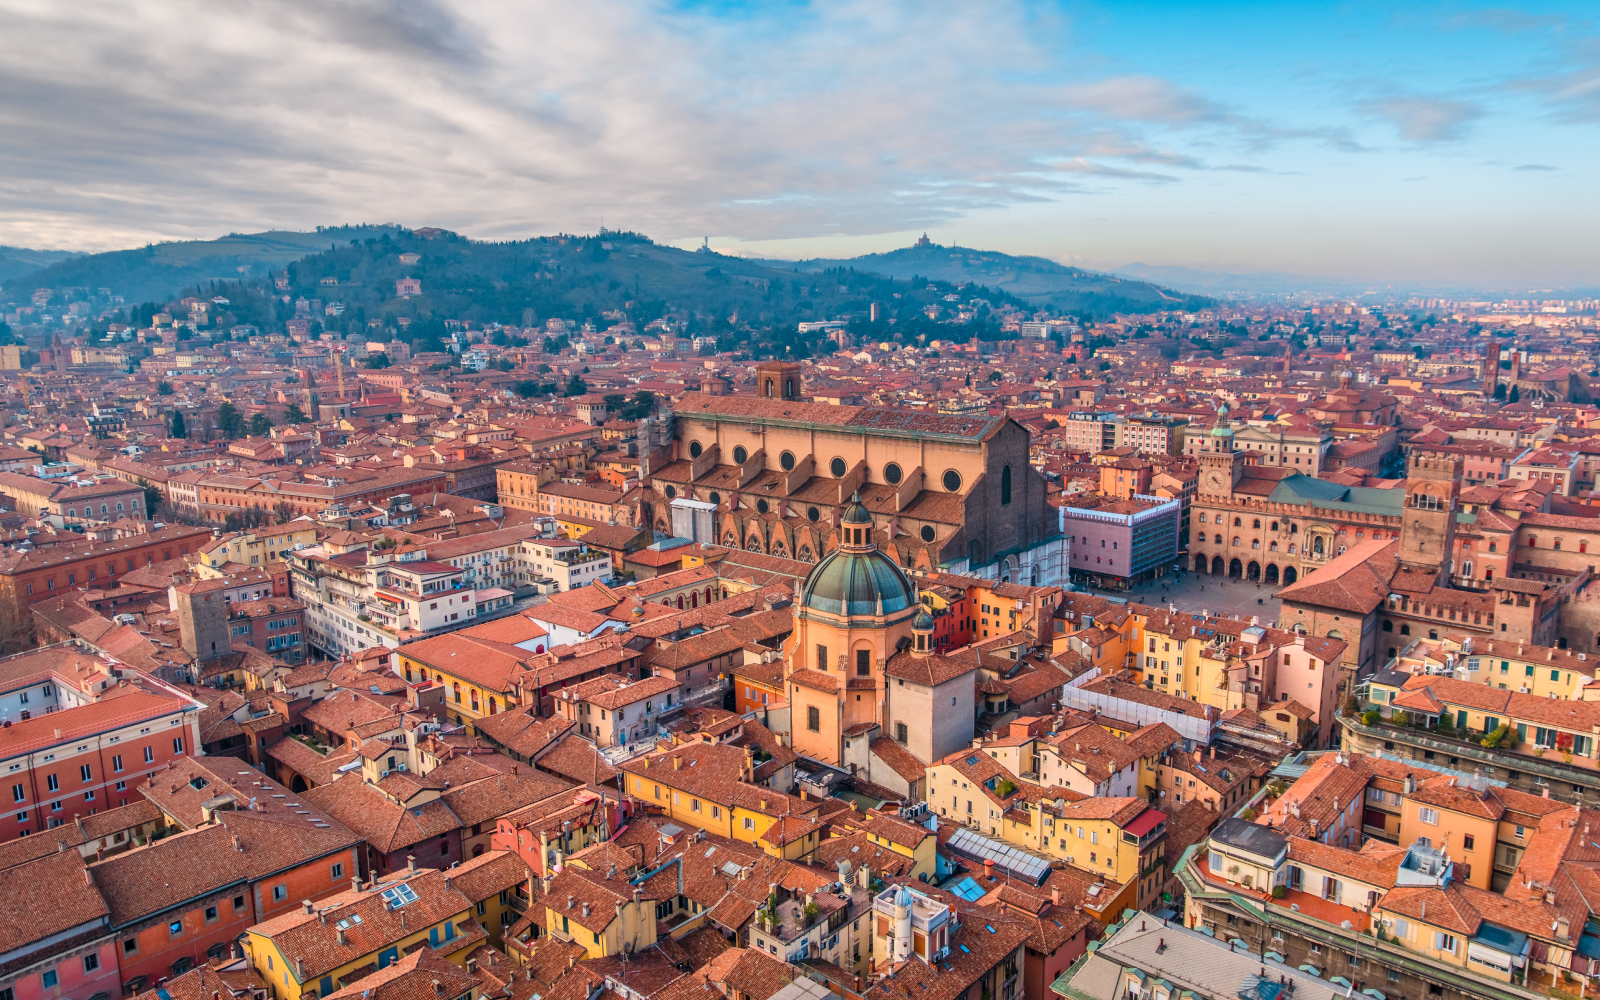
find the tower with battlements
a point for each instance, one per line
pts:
(1428, 531)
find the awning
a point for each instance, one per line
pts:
(1147, 821)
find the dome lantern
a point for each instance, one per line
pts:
(922, 632)
(855, 579)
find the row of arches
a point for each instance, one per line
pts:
(1252, 571)
(694, 599)
(1238, 522)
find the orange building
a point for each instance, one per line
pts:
(853, 608)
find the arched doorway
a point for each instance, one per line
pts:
(1289, 575)
(298, 785)
(1272, 573)
(1199, 564)
(1216, 565)
(1253, 571)
(1235, 569)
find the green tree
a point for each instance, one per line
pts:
(164, 388)
(179, 430)
(1514, 395)
(379, 360)
(1500, 391)
(642, 405)
(294, 415)
(994, 375)
(260, 425)
(152, 498)
(229, 422)
(575, 386)
(527, 388)
(615, 401)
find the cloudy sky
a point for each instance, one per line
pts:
(1367, 140)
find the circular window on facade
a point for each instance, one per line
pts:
(739, 454)
(694, 449)
(838, 468)
(892, 474)
(952, 481)
(813, 513)
(716, 497)
(672, 491)
(787, 461)
(761, 506)
(927, 532)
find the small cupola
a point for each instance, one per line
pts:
(921, 632)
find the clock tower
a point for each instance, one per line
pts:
(1220, 466)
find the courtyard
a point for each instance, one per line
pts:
(1197, 592)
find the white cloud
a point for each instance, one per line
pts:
(1423, 119)
(178, 118)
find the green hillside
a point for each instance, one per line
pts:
(18, 261)
(160, 270)
(1034, 280)
(600, 279)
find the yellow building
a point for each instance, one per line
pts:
(707, 785)
(1533, 724)
(325, 946)
(598, 910)
(1117, 838)
(256, 547)
(907, 839)
(492, 881)
(1542, 671)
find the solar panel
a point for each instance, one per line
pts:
(1005, 857)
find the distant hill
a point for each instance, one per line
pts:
(18, 261)
(159, 271)
(1033, 280)
(1255, 283)
(351, 287)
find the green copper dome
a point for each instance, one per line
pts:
(852, 583)
(856, 579)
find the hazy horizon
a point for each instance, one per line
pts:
(1443, 144)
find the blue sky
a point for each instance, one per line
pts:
(1398, 143)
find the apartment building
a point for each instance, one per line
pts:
(323, 946)
(1224, 663)
(274, 625)
(65, 760)
(709, 786)
(613, 711)
(1115, 837)
(358, 595)
(1445, 908)
(74, 501)
(554, 565)
(1118, 543)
